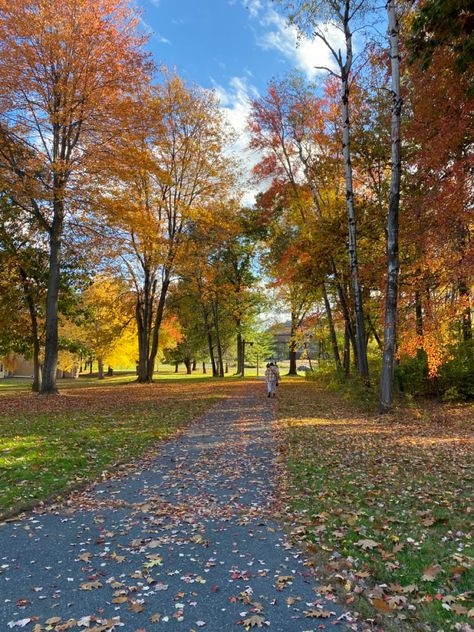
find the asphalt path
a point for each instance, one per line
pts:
(185, 541)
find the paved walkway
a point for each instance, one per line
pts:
(183, 544)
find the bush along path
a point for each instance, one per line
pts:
(186, 542)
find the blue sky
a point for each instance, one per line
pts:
(233, 46)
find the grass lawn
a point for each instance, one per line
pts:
(392, 497)
(51, 444)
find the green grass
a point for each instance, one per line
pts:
(404, 483)
(44, 454)
(166, 373)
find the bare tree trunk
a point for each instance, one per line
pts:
(204, 368)
(332, 331)
(363, 366)
(393, 266)
(194, 364)
(187, 364)
(50, 367)
(176, 365)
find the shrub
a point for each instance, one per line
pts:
(457, 375)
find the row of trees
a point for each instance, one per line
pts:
(112, 170)
(331, 157)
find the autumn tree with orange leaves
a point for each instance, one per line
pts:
(155, 182)
(63, 63)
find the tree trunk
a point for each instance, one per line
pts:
(346, 312)
(466, 325)
(50, 367)
(187, 364)
(91, 362)
(110, 371)
(215, 311)
(418, 313)
(393, 266)
(36, 386)
(347, 353)
(194, 364)
(100, 363)
(374, 332)
(292, 358)
(176, 364)
(332, 331)
(239, 352)
(292, 346)
(210, 343)
(155, 330)
(363, 366)
(204, 368)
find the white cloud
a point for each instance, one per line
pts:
(235, 100)
(305, 53)
(161, 39)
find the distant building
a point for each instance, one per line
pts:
(281, 333)
(18, 366)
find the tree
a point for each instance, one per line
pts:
(107, 313)
(393, 264)
(23, 260)
(344, 15)
(62, 64)
(158, 180)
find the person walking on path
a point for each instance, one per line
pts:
(276, 370)
(271, 380)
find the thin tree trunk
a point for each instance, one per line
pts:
(347, 353)
(50, 367)
(36, 386)
(332, 331)
(100, 363)
(215, 311)
(375, 334)
(346, 312)
(466, 324)
(239, 351)
(187, 364)
(363, 366)
(393, 266)
(176, 365)
(194, 364)
(204, 368)
(210, 343)
(418, 313)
